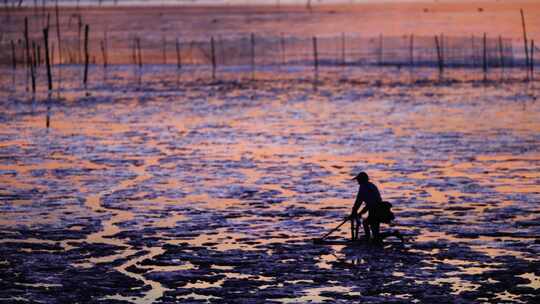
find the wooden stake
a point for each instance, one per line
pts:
(380, 59)
(164, 44)
(47, 58)
(501, 53)
(315, 56)
(79, 46)
(532, 60)
(473, 51)
(29, 64)
(139, 51)
(58, 37)
(134, 53)
(103, 53)
(37, 53)
(343, 49)
(252, 56)
(411, 51)
(439, 57)
(485, 63)
(86, 55)
(178, 55)
(213, 57)
(13, 56)
(283, 58)
(525, 41)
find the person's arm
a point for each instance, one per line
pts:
(364, 210)
(357, 204)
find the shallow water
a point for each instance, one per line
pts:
(172, 187)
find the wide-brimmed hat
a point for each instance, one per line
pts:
(362, 177)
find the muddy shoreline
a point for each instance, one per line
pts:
(152, 193)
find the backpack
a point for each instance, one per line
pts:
(384, 214)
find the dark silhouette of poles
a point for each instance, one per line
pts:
(315, 57)
(532, 60)
(473, 51)
(80, 26)
(282, 43)
(37, 53)
(380, 55)
(134, 51)
(178, 61)
(411, 51)
(501, 56)
(103, 55)
(13, 56)
(164, 44)
(213, 57)
(525, 44)
(47, 57)
(439, 57)
(58, 36)
(343, 49)
(484, 56)
(13, 64)
(59, 39)
(252, 38)
(86, 55)
(29, 59)
(139, 51)
(178, 55)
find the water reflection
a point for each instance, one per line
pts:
(192, 193)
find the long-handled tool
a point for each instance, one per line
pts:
(331, 231)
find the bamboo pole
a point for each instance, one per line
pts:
(58, 35)
(380, 55)
(33, 68)
(343, 58)
(86, 55)
(28, 60)
(252, 56)
(501, 55)
(139, 51)
(525, 44)
(315, 56)
(443, 53)
(79, 52)
(105, 48)
(47, 59)
(532, 60)
(178, 55)
(283, 58)
(473, 51)
(103, 54)
(37, 53)
(13, 56)
(439, 57)
(213, 57)
(164, 45)
(484, 57)
(411, 51)
(134, 51)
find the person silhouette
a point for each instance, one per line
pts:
(369, 194)
(378, 212)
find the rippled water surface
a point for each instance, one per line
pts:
(175, 188)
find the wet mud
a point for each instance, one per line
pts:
(214, 191)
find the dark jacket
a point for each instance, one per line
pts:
(369, 194)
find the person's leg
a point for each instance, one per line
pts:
(375, 226)
(365, 224)
(353, 230)
(357, 227)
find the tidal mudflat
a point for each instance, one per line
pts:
(187, 190)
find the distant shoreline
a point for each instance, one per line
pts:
(244, 4)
